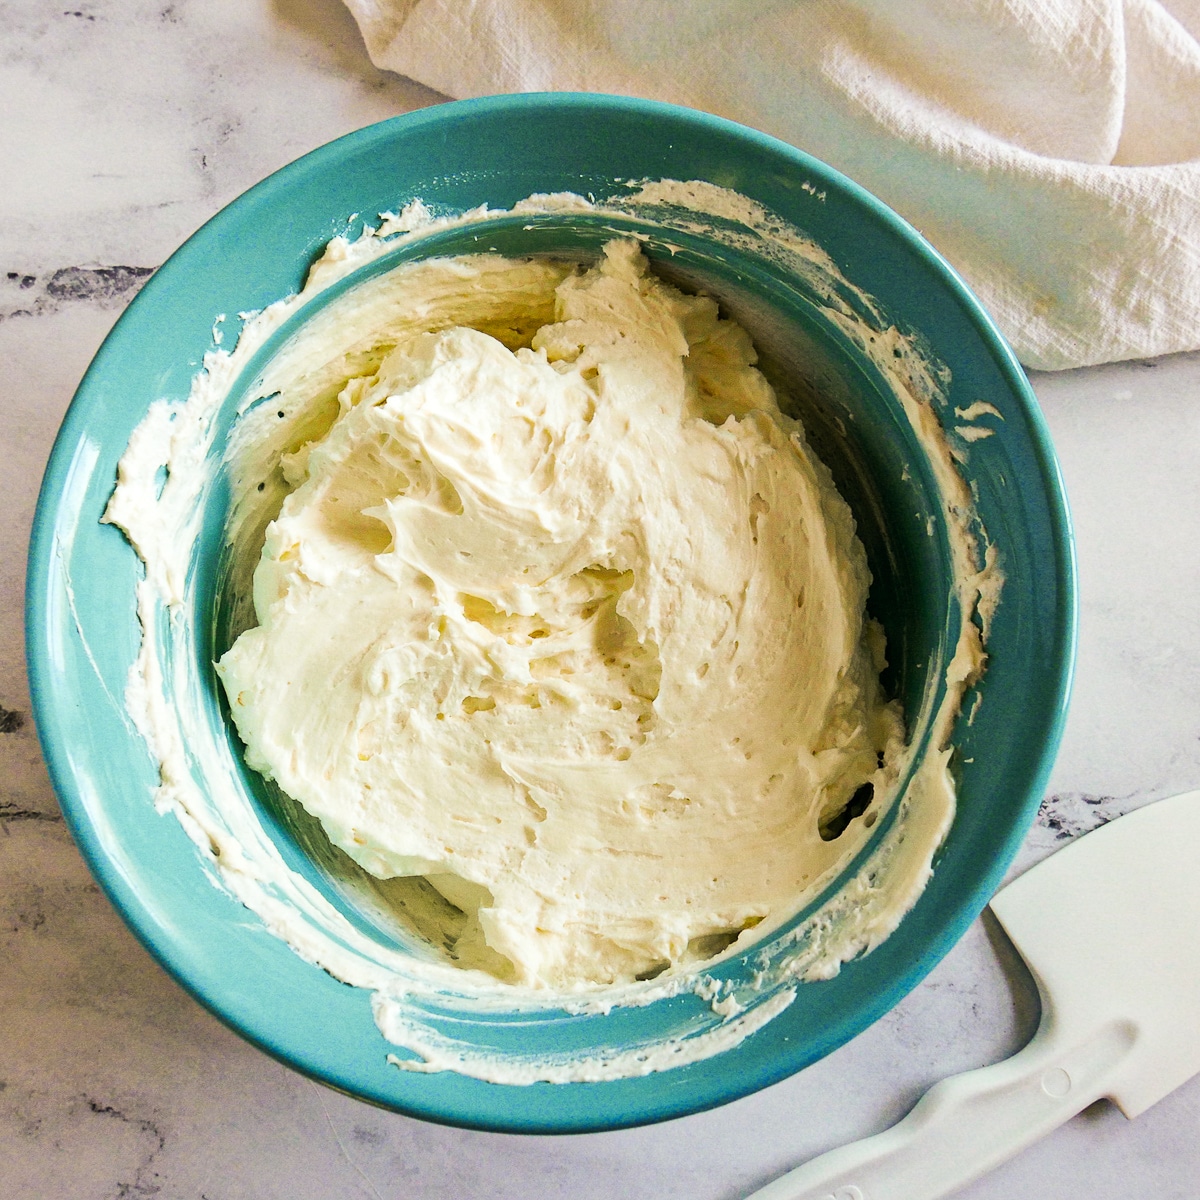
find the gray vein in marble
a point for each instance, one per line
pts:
(1069, 814)
(144, 1182)
(105, 287)
(14, 812)
(11, 720)
(341, 1145)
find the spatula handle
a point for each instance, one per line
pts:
(967, 1124)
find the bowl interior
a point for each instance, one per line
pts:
(878, 462)
(83, 636)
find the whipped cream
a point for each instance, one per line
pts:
(573, 630)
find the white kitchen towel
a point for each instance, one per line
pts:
(1050, 149)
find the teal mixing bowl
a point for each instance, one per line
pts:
(83, 634)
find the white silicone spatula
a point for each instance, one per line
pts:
(1108, 928)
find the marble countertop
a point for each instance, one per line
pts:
(126, 124)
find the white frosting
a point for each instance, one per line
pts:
(415, 987)
(575, 631)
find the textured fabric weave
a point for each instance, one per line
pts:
(1050, 149)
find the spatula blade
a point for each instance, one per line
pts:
(1110, 928)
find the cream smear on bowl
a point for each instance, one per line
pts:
(354, 417)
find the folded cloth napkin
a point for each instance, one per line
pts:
(1050, 149)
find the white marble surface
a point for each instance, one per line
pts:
(125, 124)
